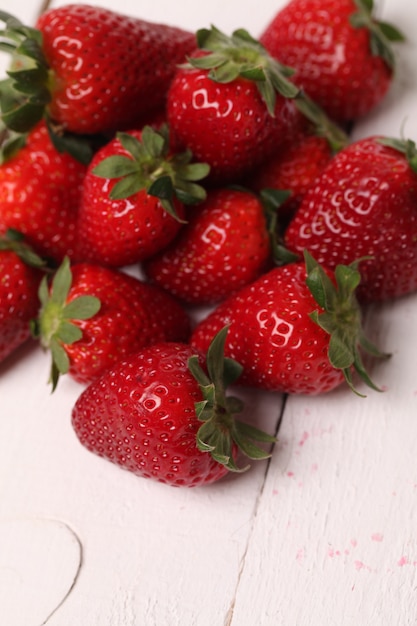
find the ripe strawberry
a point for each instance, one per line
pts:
(231, 104)
(20, 276)
(224, 246)
(293, 330)
(95, 71)
(365, 205)
(342, 55)
(40, 191)
(91, 317)
(159, 415)
(293, 168)
(133, 197)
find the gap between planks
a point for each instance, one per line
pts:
(229, 615)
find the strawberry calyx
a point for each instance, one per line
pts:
(10, 142)
(14, 241)
(25, 94)
(150, 166)
(80, 147)
(55, 327)
(342, 318)
(406, 146)
(382, 34)
(323, 126)
(272, 200)
(221, 432)
(240, 55)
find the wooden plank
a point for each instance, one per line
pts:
(334, 540)
(335, 528)
(46, 546)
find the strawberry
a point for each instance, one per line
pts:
(133, 197)
(89, 69)
(159, 415)
(342, 55)
(40, 192)
(364, 204)
(294, 168)
(20, 275)
(231, 104)
(297, 329)
(224, 245)
(92, 316)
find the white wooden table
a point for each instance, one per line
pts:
(324, 534)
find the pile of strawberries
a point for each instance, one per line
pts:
(222, 167)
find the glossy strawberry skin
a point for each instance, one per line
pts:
(133, 314)
(108, 69)
(272, 336)
(224, 245)
(140, 415)
(122, 231)
(363, 204)
(40, 192)
(19, 301)
(226, 125)
(332, 59)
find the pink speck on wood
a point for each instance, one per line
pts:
(403, 561)
(299, 557)
(304, 438)
(332, 552)
(377, 537)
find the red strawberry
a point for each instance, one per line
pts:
(19, 303)
(40, 192)
(133, 197)
(288, 340)
(365, 205)
(92, 317)
(232, 104)
(158, 415)
(294, 168)
(96, 71)
(224, 245)
(341, 53)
